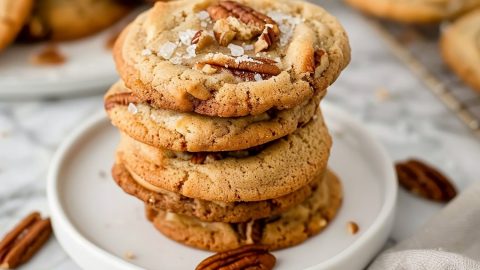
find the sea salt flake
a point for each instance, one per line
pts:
(191, 51)
(167, 50)
(132, 108)
(187, 36)
(236, 50)
(258, 77)
(248, 47)
(146, 52)
(203, 15)
(177, 60)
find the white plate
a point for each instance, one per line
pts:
(97, 223)
(88, 68)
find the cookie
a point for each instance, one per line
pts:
(60, 20)
(285, 230)
(414, 11)
(257, 174)
(194, 132)
(209, 211)
(13, 14)
(460, 47)
(231, 59)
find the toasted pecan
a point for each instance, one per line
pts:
(254, 257)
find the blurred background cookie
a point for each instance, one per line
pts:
(414, 11)
(61, 20)
(13, 14)
(460, 46)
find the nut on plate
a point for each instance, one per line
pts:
(24, 240)
(425, 181)
(253, 257)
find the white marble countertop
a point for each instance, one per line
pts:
(376, 88)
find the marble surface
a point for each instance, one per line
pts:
(376, 89)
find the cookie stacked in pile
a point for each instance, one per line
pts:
(221, 133)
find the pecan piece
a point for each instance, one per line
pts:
(234, 20)
(425, 181)
(252, 257)
(122, 99)
(243, 68)
(24, 240)
(202, 39)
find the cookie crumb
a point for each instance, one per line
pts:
(382, 94)
(129, 255)
(50, 55)
(352, 227)
(151, 200)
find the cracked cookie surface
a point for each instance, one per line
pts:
(285, 230)
(160, 199)
(278, 56)
(273, 170)
(194, 132)
(460, 47)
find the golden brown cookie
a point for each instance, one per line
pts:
(261, 173)
(194, 132)
(72, 19)
(460, 46)
(231, 59)
(285, 230)
(13, 14)
(161, 199)
(414, 11)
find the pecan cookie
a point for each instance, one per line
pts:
(71, 19)
(161, 199)
(460, 47)
(414, 11)
(13, 14)
(255, 174)
(231, 59)
(285, 230)
(194, 132)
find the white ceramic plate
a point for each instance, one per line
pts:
(88, 68)
(97, 224)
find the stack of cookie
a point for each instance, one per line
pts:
(221, 133)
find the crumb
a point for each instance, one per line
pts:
(382, 94)
(4, 134)
(50, 55)
(110, 42)
(352, 227)
(151, 200)
(102, 174)
(129, 255)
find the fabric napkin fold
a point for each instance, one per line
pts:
(450, 240)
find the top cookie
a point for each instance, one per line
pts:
(229, 59)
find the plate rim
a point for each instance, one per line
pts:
(60, 219)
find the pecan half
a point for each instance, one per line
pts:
(245, 69)
(234, 20)
(425, 181)
(124, 99)
(253, 257)
(24, 240)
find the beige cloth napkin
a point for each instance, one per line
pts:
(450, 240)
